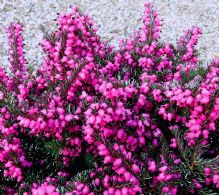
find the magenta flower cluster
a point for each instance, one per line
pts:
(145, 112)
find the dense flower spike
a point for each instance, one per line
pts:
(16, 52)
(92, 119)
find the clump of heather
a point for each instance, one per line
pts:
(93, 119)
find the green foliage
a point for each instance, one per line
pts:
(53, 148)
(187, 77)
(89, 159)
(44, 153)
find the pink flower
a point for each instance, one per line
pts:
(207, 171)
(151, 166)
(135, 168)
(215, 178)
(117, 162)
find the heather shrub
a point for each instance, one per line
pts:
(93, 119)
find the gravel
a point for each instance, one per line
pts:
(116, 19)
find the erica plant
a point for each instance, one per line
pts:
(93, 119)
